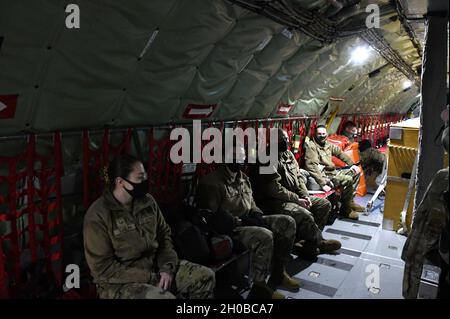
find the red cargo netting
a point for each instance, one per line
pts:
(372, 127)
(312, 127)
(3, 275)
(31, 208)
(163, 176)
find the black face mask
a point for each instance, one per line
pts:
(283, 146)
(321, 139)
(139, 189)
(236, 167)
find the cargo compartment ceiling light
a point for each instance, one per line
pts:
(406, 84)
(360, 54)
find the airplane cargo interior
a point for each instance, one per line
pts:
(245, 150)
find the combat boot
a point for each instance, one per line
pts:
(261, 290)
(290, 283)
(278, 295)
(329, 245)
(280, 277)
(353, 215)
(356, 207)
(306, 251)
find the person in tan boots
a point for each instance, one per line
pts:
(284, 192)
(227, 193)
(318, 162)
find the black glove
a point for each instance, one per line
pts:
(254, 219)
(364, 145)
(222, 222)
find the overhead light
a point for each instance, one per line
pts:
(406, 84)
(360, 54)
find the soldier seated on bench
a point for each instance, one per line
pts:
(227, 192)
(128, 245)
(284, 192)
(318, 162)
(371, 158)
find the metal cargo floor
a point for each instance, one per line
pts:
(366, 249)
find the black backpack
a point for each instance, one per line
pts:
(191, 243)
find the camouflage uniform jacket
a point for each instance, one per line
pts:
(225, 191)
(318, 160)
(428, 225)
(124, 246)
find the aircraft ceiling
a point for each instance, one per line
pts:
(139, 63)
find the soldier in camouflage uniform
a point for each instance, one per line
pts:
(318, 162)
(128, 245)
(429, 233)
(370, 157)
(227, 192)
(284, 192)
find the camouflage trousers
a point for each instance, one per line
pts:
(372, 159)
(310, 222)
(191, 281)
(269, 249)
(347, 180)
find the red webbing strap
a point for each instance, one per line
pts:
(164, 176)
(123, 147)
(43, 175)
(160, 147)
(3, 275)
(30, 196)
(151, 146)
(164, 157)
(59, 238)
(156, 164)
(378, 129)
(289, 129)
(388, 121)
(370, 128)
(312, 128)
(13, 214)
(362, 122)
(365, 127)
(341, 125)
(105, 148)
(86, 156)
(302, 133)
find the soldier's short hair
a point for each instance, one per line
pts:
(348, 124)
(320, 126)
(120, 166)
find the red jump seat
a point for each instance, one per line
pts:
(351, 149)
